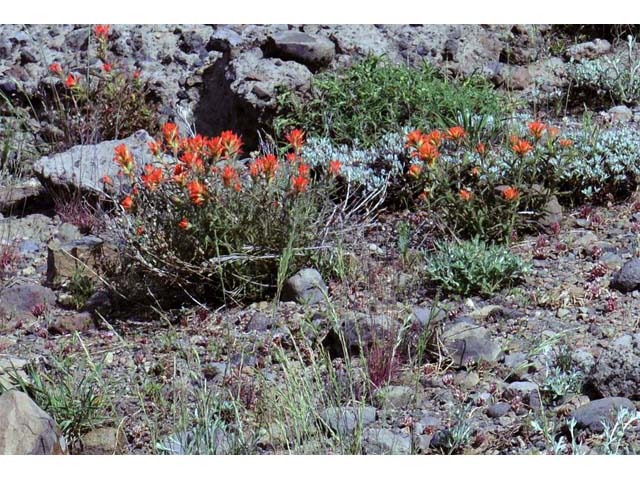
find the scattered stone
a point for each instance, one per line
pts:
(75, 322)
(17, 199)
(552, 214)
(469, 343)
(314, 51)
(25, 429)
(617, 369)
(382, 441)
(345, 420)
(528, 391)
(84, 256)
(428, 316)
(587, 50)
(104, 441)
(260, 323)
(498, 409)
(306, 286)
(592, 415)
(627, 278)
(584, 241)
(620, 114)
(11, 367)
(394, 397)
(24, 298)
(36, 227)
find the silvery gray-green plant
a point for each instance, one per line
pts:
(617, 76)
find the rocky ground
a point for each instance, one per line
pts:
(536, 369)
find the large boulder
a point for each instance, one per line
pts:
(25, 429)
(83, 166)
(306, 286)
(314, 51)
(23, 299)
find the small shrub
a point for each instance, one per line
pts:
(80, 287)
(100, 103)
(616, 77)
(370, 98)
(207, 223)
(9, 256)
(473, 267)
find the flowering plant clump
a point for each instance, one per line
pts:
(476, 188)
(104, 101)
(202, 220)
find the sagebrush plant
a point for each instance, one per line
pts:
(615, 77)
(200, 221)
(473, 267)
(372, 97)
(89, 104)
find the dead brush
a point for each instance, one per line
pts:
(74, 208)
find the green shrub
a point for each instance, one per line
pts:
(473, 267)
(209, 225)
(368, 99)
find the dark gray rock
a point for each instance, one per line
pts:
(306, 286)
(617, 369)
(627, 278)
(468, 343)
(314, 51)
(345, 420)
(498, 409)
(593, 415)
(260, 323)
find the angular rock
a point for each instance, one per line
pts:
(593, 415)
(314, 51)
(33, 227)
(83, 166)
(25, 429)
(587, 50)
(69, 323)
(468, 343)
(11, 367)
(345, 420)
(83, 256)
(620, 114)
(21, 299)
(104, 441)
(617, 369)
(395, 397)
(498, 410)
(20, 198)
(627, 279)
(306, 286)
(382, 441)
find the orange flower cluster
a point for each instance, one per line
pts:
(424, 145)
(520, 146)
(124, 158)
(266, 165)
(152, 176)
(536, 128)
(455, 133)
(295, 138)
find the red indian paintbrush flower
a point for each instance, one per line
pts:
(481, 148)
(197, 192)
(334, 167)
(414, 138)
(295, 138)
(536, 128)
(179, 173)
(426, 152)
(170, 134)
(106, 67)
(152, 176)
(127, 202)
(414, 170)
(230, 177)
(455, 133)
(124, 158)
(465, 194)
(521, 147)
(231, 143)
(510, 193)
(299, 183)
(71, 80)
(267, 165)
(106, 179)
(55, 68)
(565, 142)
(184, 224)
(102, 31)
